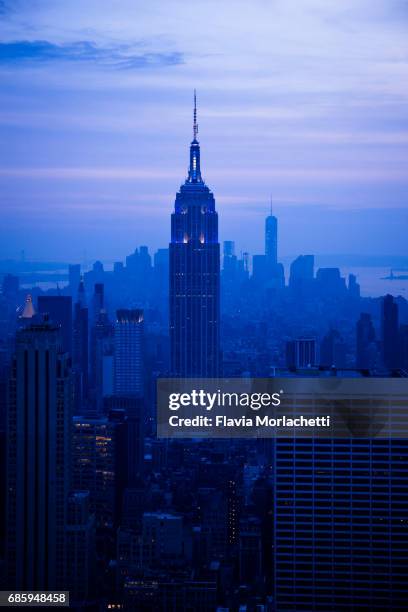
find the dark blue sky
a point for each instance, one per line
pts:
(304, 99)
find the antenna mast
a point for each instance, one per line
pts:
(195, 125)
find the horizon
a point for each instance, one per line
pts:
(97, 121)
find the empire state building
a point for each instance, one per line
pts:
(194, 275)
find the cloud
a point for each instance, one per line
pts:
(121, 56)
(4, 7)
(122, 173)
(304, 98)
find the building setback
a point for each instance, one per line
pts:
(194, 275)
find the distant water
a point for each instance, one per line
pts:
(45, 285)
(371, 280)
(373, 284)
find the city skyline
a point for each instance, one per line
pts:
(184, 309)
(95, 114)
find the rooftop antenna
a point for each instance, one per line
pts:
(195, 125)
(271, 205)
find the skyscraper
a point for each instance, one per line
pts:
(160, 286)
(39, 415)
(365, 342)
(389, 332)
(194, 275)
(267, 273)
(271, 239)
(333, 350)
(128, 356)
(96, 444)
(340, 532)
(301, 353)
(74, 277)
(59, 310)
(97, 301)
(80, 536)
(101, 359)
(301, 273)
(80, 349)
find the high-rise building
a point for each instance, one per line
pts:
(74, 277)
(301, 273)
(229, 249)
(101, 359)
(365, 342)
(390, 332)
(340, 524)
(139, 270)
(4, 373)
(333, 350)
(97, 465)
(250, 550)
(59, 311)
(27, 311)
(404, 346)
(80, 349)
(160, 287)
(97, 301)
(271, 239)
(80, 543)
(301, 353)
(261, 270)
(39, 421)
(330, 283)
(128, 359)
(229, 283)
(353, 286)
(162, 536)
(194, 275)
(267, 273)
(132, 409)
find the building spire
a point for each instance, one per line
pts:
(194, 172)
(195, 124)
(271, 206)
(28, 311)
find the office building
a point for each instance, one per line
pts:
(80, 349)
(74, 277)
(301, 353)
(102, 341)
(194, 275)
(98, 300)
(81, 553)
(59, 311)
(365, 342)
(98, 465)
(340, 524)
(271, 239)
(301, 274)
(129, 354)
(389, 332)
(39, 421)
(333, 350)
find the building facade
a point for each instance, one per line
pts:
(128, 354)
(194, 276)
(38, 469)
(271, 239)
